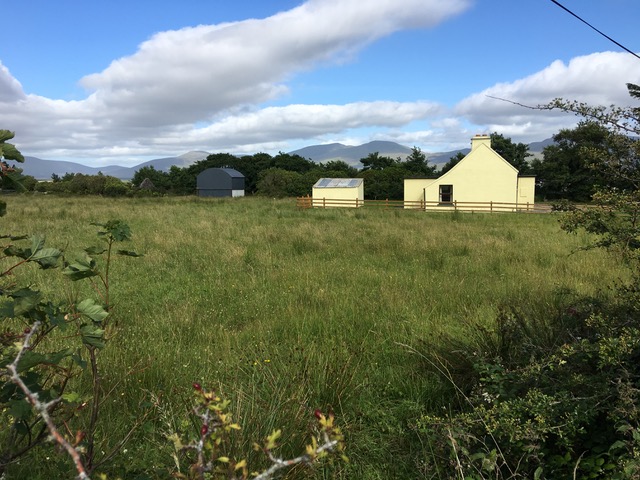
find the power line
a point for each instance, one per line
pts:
(604, 35)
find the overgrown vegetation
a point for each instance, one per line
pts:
(283, 311)
(556, 396)
(439, 339)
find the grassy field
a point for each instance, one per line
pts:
(284, 311)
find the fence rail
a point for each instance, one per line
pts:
(491, 207)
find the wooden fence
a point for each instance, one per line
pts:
(490, 207)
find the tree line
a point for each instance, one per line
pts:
(565, 170)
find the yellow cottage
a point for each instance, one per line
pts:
(482, 180)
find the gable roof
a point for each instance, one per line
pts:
(338, 183)
(474, 152)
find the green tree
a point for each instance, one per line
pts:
(374, 161)
(182, 180)
(159, 178)
(293, 163)
(615, 215)
(453, 161)
(565, 171)
(279, 183)
(418, 164)
(338, 168)
(514, 153)
(384, 184)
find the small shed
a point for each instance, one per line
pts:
(338, 192)
(220, 182)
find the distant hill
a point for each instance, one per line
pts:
(352, 154)
(43, 169)
(535, 149)
(443, 157)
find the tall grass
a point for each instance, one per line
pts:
(285, 310)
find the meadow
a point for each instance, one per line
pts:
(284, 311)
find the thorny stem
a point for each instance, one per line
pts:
(7, 272)
(43, 408)
(105, 280)
(95, 407)
(279, 463)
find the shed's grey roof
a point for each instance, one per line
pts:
(338, 183)
(232, 172)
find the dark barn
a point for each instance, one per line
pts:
(220, 182)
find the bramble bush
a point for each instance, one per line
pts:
(46, 341)
(556, 397)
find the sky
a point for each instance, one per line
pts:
(122, 82)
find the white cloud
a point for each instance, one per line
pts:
(300, 121)
(596, 79)
(206, 87)
(10, 88)
(211, 74)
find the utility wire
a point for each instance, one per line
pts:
(604, 35)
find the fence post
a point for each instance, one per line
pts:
(455, 205)
(491, 206)
(324, 202)
(357, 202)
(527, 206)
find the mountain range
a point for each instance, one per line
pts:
(43, 169)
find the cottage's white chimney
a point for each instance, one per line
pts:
(478, 140)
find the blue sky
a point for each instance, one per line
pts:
(121, 82)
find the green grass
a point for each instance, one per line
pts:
(285, 310)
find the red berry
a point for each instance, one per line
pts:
(197, 386)
(318, 413)
(203, 430)
(27, 331)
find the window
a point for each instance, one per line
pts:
(446, 193)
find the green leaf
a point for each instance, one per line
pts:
(77, 359)
(10, 152)
(71, 397)
(84, 267)
(91, 309)
(92, 336)
(95, 250)
(6, 135)
(20, 409)
(115, 229)
(46, 257)
(6, 310)
(13, 238)
(37, 242)
(129, 253)
(15, 251)
(31, 359)
(25, 300)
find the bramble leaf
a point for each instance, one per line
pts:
(46, 257)
(25, 300)
(115, 230)
(128, 253)
(95, 250)
(91, 309)
(84, 267)
(92, 336)
(37, 242)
